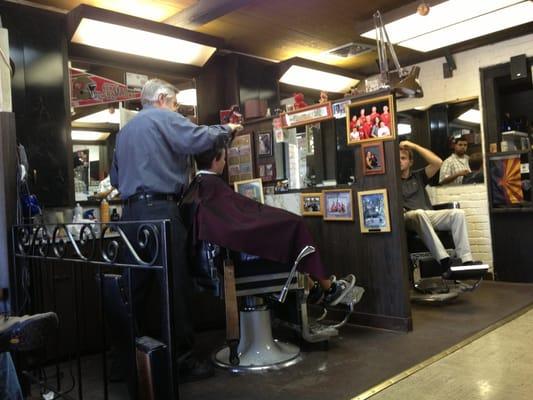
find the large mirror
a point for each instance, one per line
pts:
(452, 130)
(96, 119)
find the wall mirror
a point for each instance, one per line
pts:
(103, 99)
(437, 126)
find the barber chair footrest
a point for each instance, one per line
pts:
(476, 271)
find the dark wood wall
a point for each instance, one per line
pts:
(378, 260)
(38, 48)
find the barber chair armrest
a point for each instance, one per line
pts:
(444, 206)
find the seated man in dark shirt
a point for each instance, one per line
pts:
(221, 216)
(418, 213)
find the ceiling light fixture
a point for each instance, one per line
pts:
(122, 33)
(100, 117)
(455, 21)
(319, 80)
(89, 136)
(473, 116)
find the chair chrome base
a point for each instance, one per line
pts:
(258, 351)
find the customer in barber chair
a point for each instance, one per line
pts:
(215, 213)
(419, 214)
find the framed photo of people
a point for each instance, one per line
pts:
(311, 204)
(264, 144)
(338, 205)
(239, 159)
(374, 211)
(372, 119)
(373, 158)
(251, 188)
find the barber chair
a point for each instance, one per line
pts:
(267, 289)
(429, 284)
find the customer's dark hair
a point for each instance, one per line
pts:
(204, 159)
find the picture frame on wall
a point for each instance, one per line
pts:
(374, 214)
(338, 205)
(264, 144)
(251, 188)
(339, 109)
(311, 204)
(373, 158)
(370, 120)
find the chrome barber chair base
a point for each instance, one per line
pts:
(434, 298)
(258, 351)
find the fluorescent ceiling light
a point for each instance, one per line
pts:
(187, 97)
(456, 21)
(314, 79)
(404, 129)
(101, 117)
(141, 43)
(473, 116)
(89, 136)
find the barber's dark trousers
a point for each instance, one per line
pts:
(146, 286)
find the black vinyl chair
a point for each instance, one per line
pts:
(428, 283)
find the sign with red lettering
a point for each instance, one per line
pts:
(87, 89)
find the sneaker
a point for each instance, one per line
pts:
(28, 332)
(339, 289)
(193, 369)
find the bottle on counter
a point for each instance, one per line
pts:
(104, 211)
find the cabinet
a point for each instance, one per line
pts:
(508, 173)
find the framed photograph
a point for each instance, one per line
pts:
(371, 119)
(251, 188)
(339, 109)
(373, 158)
(264, 144)
(311, 204)
(338, 205)
(374, 211)
(307, 115)
(239, 158)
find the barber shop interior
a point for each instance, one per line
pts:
(245, 199)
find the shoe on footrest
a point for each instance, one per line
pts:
(339, 290)
(468, 270)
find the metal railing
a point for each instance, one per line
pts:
(53, 266)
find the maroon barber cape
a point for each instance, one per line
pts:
(221, 216)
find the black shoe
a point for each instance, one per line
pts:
(192, 370)
(28, 332)
(315, 294)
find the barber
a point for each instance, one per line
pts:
(151, 169)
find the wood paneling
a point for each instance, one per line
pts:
(379, 260)
(41, 99)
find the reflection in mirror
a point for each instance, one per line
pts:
(103, 100)
(453, 132)
(305, 162)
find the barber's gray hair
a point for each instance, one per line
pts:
(155, 87)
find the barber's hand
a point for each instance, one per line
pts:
(235, 127)
(463, 172)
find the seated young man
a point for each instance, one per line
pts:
(418, 213)
(233, 221)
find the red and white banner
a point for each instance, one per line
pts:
(87, 90)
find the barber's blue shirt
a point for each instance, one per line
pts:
(151, 151)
